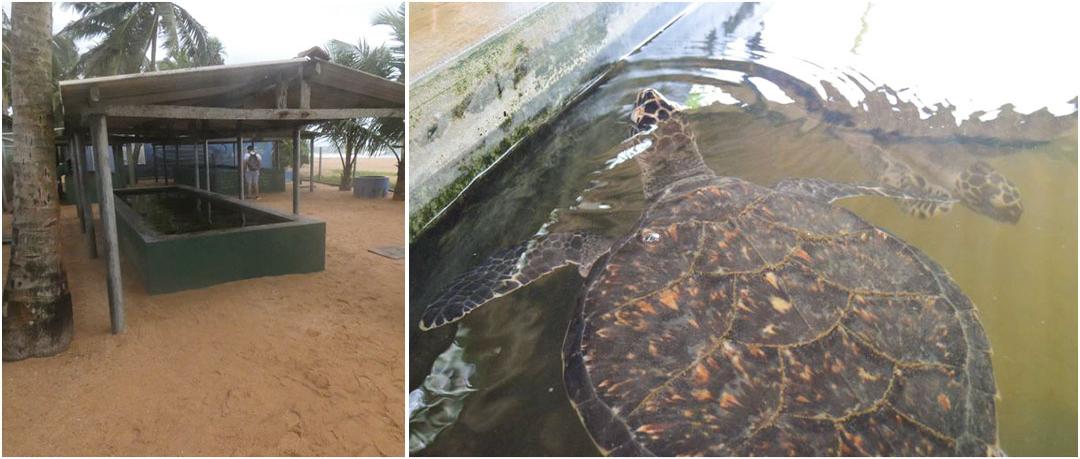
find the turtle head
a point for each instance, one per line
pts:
(989, 193)
(665, 149)
(650, 108)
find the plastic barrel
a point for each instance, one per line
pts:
(370, 186)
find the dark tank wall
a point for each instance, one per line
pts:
(173, 262)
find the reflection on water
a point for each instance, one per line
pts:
(871, 94)
(435, 405)
(177, 211)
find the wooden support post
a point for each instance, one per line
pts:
(132, 159)
(277, 155)
(206, 155)
(296, 172)
(165, 163)
(100, 132)
(305, 90)
(240, 164)
(117, 162)
(87, 210)
(311, 166)
(320, 163)
(198, 181)
(153, 149)
(212, 165)
(75, 183)
(176, 165)
(282, 93)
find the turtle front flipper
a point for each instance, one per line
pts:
(510, 270)
(900, 176)
(989, 193)
(826, 191)
(892, 172)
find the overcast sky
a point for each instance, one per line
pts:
(266, 30)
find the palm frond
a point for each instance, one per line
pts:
(193, 38)
(97, 18)
(168, 29)
(126, 32)
(65, 56)
(370, 136)
(396, 21)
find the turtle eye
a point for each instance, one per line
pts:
(650, 237)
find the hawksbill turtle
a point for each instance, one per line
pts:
(949, 177)
(905, 151)
(743, 320)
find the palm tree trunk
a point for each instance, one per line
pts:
(399, 187)
(153, 45)
(347, 165)
(37, 303)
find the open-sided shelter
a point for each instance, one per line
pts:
(264, 100)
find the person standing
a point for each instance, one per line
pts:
(252, 165)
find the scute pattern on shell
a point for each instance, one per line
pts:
(762, 323)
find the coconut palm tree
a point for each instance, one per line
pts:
(129, 36)
(392, 130)
(64, 56)
(376, 60)
(351, 137)
(395, 19)
(381, 134)
(363, 135)
(37, 303)
(216, 56)
(127, 31)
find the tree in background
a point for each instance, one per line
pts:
(216, 56)
(284, 152)
(37, 303)
(373, 135)
(396, 21)
(64, 56)
(392, 130)
(355, 136)
(129, 36)
(350, 137)
(127, 32)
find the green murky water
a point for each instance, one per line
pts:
(768, 104)
(176, 211)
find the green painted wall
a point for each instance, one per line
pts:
(172, 263)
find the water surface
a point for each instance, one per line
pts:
(177, 211)
(773, 94)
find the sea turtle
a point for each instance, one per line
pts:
(906, 151)
(952, 175)
(743, 320)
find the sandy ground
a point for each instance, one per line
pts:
(308, 364)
